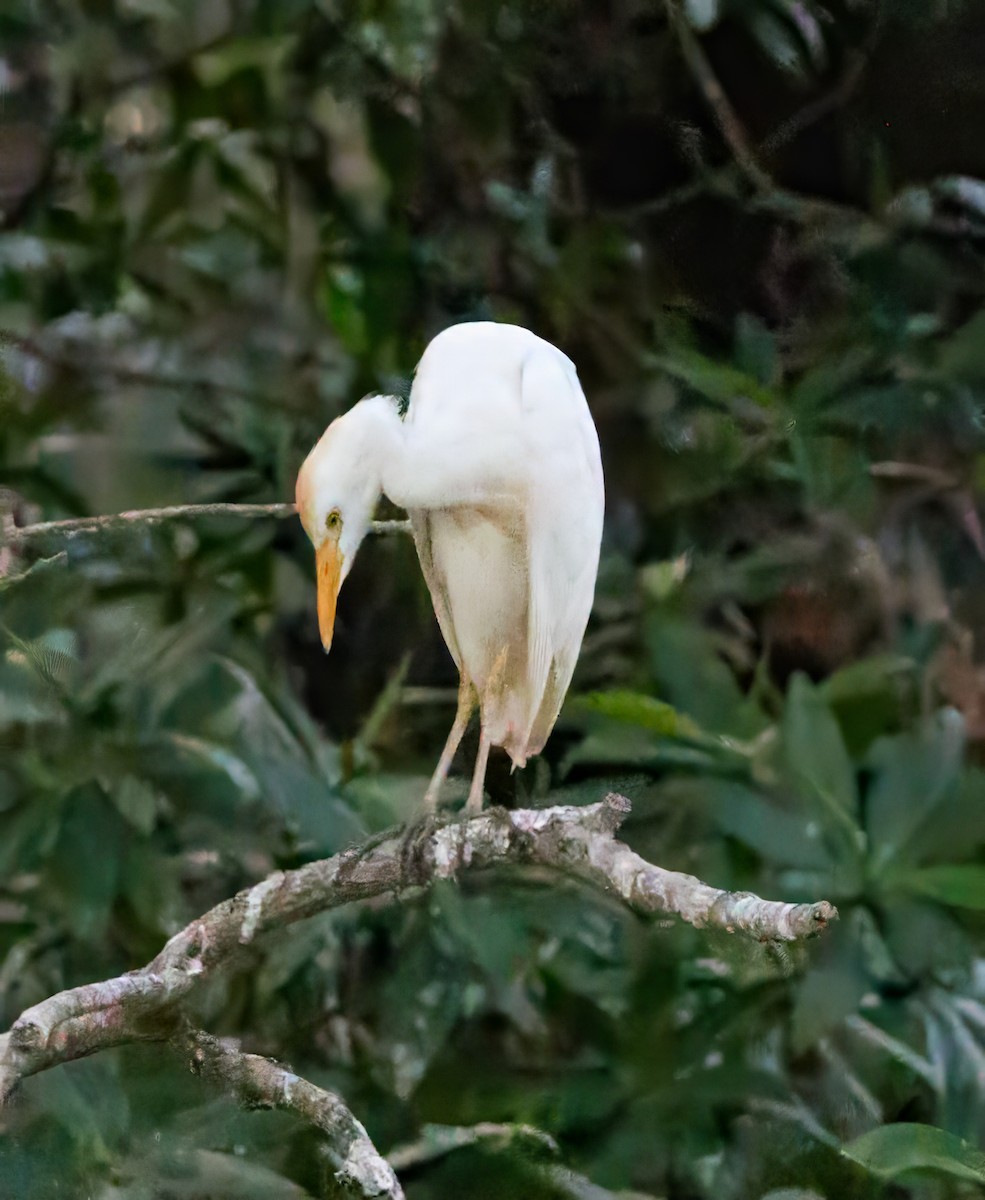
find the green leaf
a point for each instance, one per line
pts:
(815, 752)
(28, 833)
(136, 802)
(961, 885)
(957, 829)
(420, 1002)
(34, 571)
(893, 1149)
(493, 931)
(243, 167)
(85, 865)
(783, 837)
(782, 40)
(88, 1101)
(265, 54)
(690, 671)
(866, 695)
(873, 1036)
(866, 678)
(646, 712)
(963, 354)
(150, 883)
(217, 758)
(824, 997)
(314, 811)
(209, 1174)
(755, 349)
(925, 939)
(794, 1193)
(916, 772)
(716, 381)
(313, 946)
(830, 380)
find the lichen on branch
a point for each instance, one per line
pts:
(148, 1004)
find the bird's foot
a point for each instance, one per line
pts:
(413, 847)
(473, 805)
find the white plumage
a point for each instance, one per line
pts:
(497, 463)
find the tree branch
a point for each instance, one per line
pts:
(18, 535)
(577, 841)
(261, 1083)
(71, 363)
(435, 1141)
(726, 118)
(855, 64)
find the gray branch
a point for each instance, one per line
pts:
(261, 1083)
(18, 535)
(146, 1004)
(731, 128)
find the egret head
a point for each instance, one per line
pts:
(337, 490)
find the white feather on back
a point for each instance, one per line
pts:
(511, 576)
(564, 533)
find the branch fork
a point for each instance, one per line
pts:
(148, 1004)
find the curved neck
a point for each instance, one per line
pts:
(385, 449)
(437, 465)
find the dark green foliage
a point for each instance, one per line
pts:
(226, 221)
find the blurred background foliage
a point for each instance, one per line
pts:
(223, 222)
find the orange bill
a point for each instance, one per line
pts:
(328, 563)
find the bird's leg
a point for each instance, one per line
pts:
(495, 681)
(474, 803)
(466, 702)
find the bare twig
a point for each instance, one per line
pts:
(17, 535)
(414, 697)
(934, 477)
(718, 181)
(122, 374)
(935, 483)
(836, 97)
(575, 1186)
(817, 110)
(731, 128)
(261, 1083)
(435, 1141)
(8, 501)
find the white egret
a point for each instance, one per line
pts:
(497, 464)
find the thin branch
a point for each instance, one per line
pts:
(856, 62)
(123, 374)
(436, 1141)
(261, 1083)
(934, 477)
(703, 74)
(414, 697)
(575, 1186)
(817, 109)
(17, 535)
(717, 181)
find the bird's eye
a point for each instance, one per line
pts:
(333, 521)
